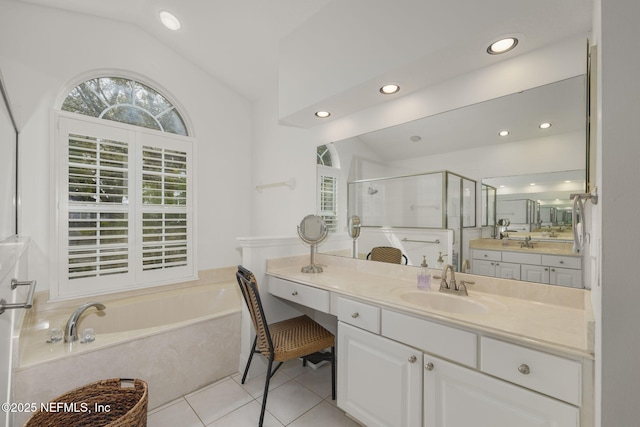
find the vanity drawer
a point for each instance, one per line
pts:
(450, 343)
(488, 255)
(562, 261)
(318, 299)
(358, 314)
(521, 258)
(549, 374)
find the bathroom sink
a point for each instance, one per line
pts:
(435, 300)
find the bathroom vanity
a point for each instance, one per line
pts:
(504, 355)
(546, 262)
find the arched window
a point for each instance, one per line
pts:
(125, 216)
(125, 101)
(324, 155)
(327, 186)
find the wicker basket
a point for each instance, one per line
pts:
(114, 403)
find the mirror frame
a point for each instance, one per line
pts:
(7, 105)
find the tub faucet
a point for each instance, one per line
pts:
(71, 330)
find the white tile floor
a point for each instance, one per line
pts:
(298, 397)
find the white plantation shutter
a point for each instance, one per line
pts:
(124, 208)
(97, 219)
(165, 210)
(328, 196)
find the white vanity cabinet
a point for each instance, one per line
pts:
(398, 369)
(379, 380)
(317, 299)
(455, 396)
(564, 270)
(490, 263)
(531, 267)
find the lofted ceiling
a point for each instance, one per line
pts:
(238, 41)
(560, 103)
(235, 41)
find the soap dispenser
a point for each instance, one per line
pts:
(440, 260)
(424, 278)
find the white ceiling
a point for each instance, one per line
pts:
(562, 104)
(237, 41)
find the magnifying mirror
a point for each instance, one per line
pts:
(312, 230)
(353, 226)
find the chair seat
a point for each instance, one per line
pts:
(297, 337)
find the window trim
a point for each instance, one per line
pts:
(59, 181)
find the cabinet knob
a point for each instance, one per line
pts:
(561, 262)
(294, 293)
(355, 315)
(429, 366)
(524, 369)
(412, 359)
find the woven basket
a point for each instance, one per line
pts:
(113, 403)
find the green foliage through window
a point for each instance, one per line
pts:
(125, 101)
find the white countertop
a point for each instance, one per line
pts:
(550, 317)
(514, 245)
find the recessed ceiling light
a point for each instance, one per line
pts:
(533, 183)
(415, 138)
(545, 125)
(170, 21)
(323, 114)
(503, 133)
(502, 46)
(389, 89)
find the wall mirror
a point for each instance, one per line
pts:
(8, 166)
(467, 141)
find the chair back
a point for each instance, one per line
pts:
(386, 254)
(249, 287)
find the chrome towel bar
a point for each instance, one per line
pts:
(437, 241)
(27, 304)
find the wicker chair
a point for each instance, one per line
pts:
(387, 254)
(282, 341)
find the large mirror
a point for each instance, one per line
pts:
(468, 141)
(8, 166)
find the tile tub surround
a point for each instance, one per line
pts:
(549, 317)
(176, 358)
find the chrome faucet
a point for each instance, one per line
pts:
(71, 330)
(452, 286)
(527, 243)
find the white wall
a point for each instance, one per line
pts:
(618, 111)
(557, 153)
(44, 50)
(280, 153)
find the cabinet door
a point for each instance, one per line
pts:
(483, 267)
(534, 273)
(379, 380)
(566, 277)
(459, 397)
(508, 270)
